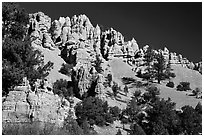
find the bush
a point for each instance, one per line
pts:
(126, 89)
(151, 94)
(97, 64)
(138, 84)
(66, 69)
(109, 78)
(198, 108)
(119, 132)
(173, 75)
(94, 110)
(137, 93)
(191, 121)
(72, 127)
(170, 84)
(145, 76)
(128, 80)
(115, 111)
(136, 129)
(115, 89)
(61, 87)
(196, 91)
(183, 86)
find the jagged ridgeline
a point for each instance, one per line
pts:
(95, 63)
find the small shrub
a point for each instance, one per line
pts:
(97, 64)
(136, 130)
(100, 120)
(145, 76)
(119, 132)
(115, 111)
(153, 90)
(196, 91)
(108, 118)
(109, 79)
(126, 89)
(61, 87)
(137, 93)
(183, 86)
(128, 80)
(86, 127)
(66, 69)
(198, 108)
(115, 89)
(179, 88)
(71, 126)
(151, 94)
(138, 84)
(170, 84)
(173, 75)
(124, 120)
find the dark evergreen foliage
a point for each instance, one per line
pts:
(97, 64)
(19, 58)
(183, 86)
(170, 84)
(61, 87)
(191, 121)
(66, 69)
(156, 67)
(93, 110)
(119, 132)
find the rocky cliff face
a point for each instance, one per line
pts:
(80, 43)
(26, 106)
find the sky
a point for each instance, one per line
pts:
(177, 26)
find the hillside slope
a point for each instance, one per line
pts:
(181, 98)
(53, 56)
(121, 69)
(187, 75)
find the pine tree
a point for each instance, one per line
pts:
(19, 57)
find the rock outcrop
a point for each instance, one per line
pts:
(39, 26)
(26, 106)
